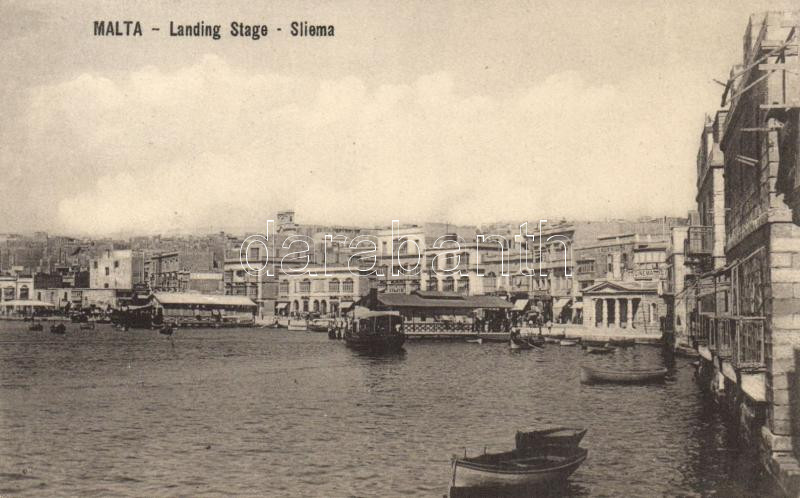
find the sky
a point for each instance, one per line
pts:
(459, 112)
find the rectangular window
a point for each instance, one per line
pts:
(107, 272)
(116, 264)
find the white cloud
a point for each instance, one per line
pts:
(210, 144)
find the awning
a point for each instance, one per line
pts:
(139, 308)
(28, 302)
(561, 302)
(520, 305)
(346, 305)
(281, 306)
(578, 305)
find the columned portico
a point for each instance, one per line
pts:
(621, 304)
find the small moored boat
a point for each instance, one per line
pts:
(553, 436)
(595, 375)
(476, 341)
(37, 327)
(566, 342)
(623, 343)
(166, 330)
(297, 324)
(58, 329)
(600, 350)
(516, 469)
(320, 325)
(518, 344)
(536, 341)
(592, 343)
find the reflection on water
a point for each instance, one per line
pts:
(281, 413)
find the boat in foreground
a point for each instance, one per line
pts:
(517, 468)
(567, 343)
(476, 341)
(376, 331)
(595, 375)
(553, 436)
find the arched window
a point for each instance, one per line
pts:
(323, 307)
(305, 306)
(296, 306)
(23, 292)
(315, 307)
(333, 286)
(348, 285)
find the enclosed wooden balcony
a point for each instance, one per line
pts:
(699, 244)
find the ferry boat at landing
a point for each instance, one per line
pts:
(376, 331)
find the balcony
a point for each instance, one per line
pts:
(748, 348)
(699, 244)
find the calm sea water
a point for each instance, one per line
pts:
(278, 413)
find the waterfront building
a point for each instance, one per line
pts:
(674, 288)
(745, 321)
(116, 269)
(15, 288)
(190, 309)
(620, 279)
(162, 270)
(328, 294)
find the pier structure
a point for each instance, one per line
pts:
(742, 281)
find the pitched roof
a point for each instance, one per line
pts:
(419, 300)
(642, 286)
(194, 298)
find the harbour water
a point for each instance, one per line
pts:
(278, 413)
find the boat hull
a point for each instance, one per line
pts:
(469, 475)
(297, 325)
(595, 376)
(376, 344)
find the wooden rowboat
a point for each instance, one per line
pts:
(594, 375)
(567, 343)
(600, 350)
(553, 436)
(515, 345)
(516, 469)
(536, 341)
(476, 341)
(623, 343)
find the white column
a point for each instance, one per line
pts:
(630, 312)
(605, 311)
(617, 312)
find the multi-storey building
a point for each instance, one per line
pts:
(744, 318)
(116, 269)
(328, 292)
